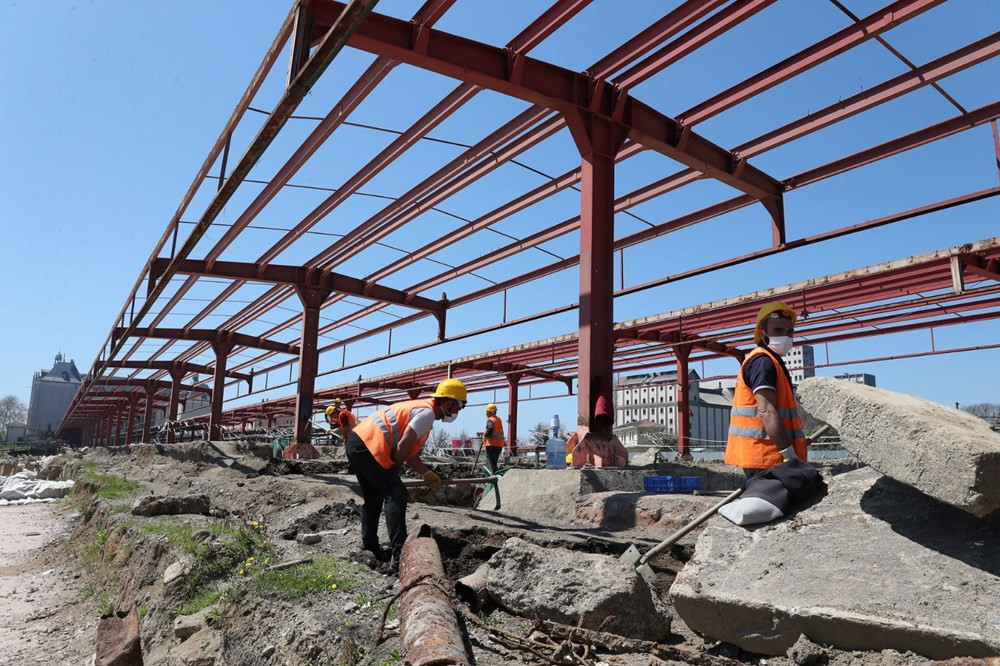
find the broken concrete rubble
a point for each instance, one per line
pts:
(664, 512)
(171, 506)
(568, 586)
(943, 452)
(875, 565)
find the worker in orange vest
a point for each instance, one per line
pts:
(377, 449)
(493, 437)
(764, 425)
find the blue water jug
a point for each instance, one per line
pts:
(555, 447)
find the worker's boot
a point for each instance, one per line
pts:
(380, 553)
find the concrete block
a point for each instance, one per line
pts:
(660, 514)
(943, 452)
(874, 565)
(550, 495)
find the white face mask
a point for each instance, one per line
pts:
(780, 344)
(449, 418)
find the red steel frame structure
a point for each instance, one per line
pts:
(607, 124)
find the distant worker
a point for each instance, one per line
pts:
(600, 447)
(493, 437)
(377, 449)
(340, 420)
(764, 426)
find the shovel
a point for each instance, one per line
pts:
(633, 556)
(491, 480)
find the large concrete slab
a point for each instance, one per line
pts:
(943, 452)
(551, 494)
(874, 565)
(660, 515)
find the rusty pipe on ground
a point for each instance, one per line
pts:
(472, 588)
(428, 626)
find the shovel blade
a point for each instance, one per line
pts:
(647, 574)
(630, 556)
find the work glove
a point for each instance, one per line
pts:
(432, 480)
(788, 453)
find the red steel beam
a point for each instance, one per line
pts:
(556, 88)
(168, 365)
(871, 26)
(209, 335)
(662, 29)
(301, 276)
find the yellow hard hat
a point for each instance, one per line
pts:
(451, 388)
(331, 409)
(491, 408)
(767, 311)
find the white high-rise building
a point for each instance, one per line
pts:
(648, 403)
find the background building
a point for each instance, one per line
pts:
(858, 378)
(51, 392)
(16, 432)
(647, 404)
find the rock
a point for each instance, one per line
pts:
(118, 640)
(309, 539)
(155, 505)
(806, 652)
(663, 513)
(268, 652)
(188, 625)
(874, 565)
(946, 453)
(200, 649)
(350, 607)
(563, 586)
(175, 572)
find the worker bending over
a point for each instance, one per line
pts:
(764, 425)
(377, 449)
(493, 437)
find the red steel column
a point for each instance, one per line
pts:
(312, 300)
(512, 382)
(682, 352)
(133, 400)
(221, 350)
(598, 141)
(147, 414)
(175, 401)
(108, 431)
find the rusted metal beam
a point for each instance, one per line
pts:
(181, 365)
(871, 26)
(428, 625)
(555, 88)
(209, 335)
(299, 276)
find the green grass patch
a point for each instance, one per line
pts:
(229, 549)
(143, 610)
(111, 487)
(395, 657)
(324, 574)
(204, 599)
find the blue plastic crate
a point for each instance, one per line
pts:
(671, 484)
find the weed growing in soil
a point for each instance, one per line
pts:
(395, 657)
(215, 552)
(325, 573)
(110, 487)
(203, 600)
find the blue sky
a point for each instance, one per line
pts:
(110, 108)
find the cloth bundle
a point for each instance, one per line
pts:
(770, 493)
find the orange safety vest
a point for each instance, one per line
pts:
(748, 445)
(382, 430)
(495, 438)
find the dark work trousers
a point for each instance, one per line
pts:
(379, 486)
(493, 457)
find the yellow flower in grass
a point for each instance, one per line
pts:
(333, 587)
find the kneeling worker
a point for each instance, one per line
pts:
(764, 425)
(493, 437)
(377, 449)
